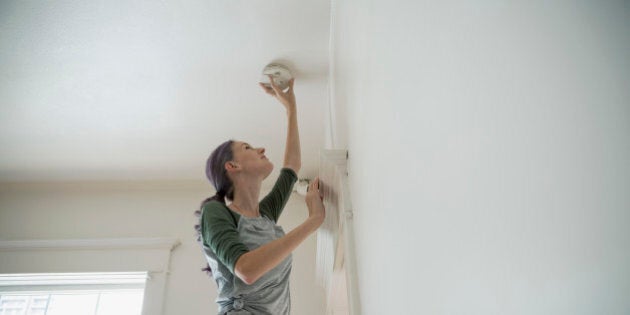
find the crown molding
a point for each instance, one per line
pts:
(91, 244)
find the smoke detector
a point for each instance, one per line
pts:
(301, 185)
(280, 73)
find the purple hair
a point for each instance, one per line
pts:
(216, 173)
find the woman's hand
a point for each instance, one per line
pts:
(286, 98)
(314, 202)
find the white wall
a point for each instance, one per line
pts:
(143, 209)
(489, 146)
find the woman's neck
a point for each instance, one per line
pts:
(246, 199)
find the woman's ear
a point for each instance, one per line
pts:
(231, 166)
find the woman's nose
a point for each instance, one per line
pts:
(261, 150)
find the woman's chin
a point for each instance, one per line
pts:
(269, 169)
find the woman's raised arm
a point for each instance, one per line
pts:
(292, 153)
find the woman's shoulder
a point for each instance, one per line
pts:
(214, 208)
(217, 210)
(212, 204)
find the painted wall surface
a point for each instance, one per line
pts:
(489, 149)
(145, 209)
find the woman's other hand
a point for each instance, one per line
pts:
(286, 98)
(314, 202)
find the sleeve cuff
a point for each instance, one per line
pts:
(291, 171)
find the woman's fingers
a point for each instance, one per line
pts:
(277, 88)
(315, 185)
(274, 86)
(267, 89)
(286, 98)
(274, 89)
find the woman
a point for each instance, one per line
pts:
(248, 254)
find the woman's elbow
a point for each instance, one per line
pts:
(243, 273)
(244, 277)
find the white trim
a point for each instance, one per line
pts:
(331, 134)
(82, 278)
(80, 281)
(335, 238)
(91, 244)
(70, 288)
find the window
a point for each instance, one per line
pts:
(72, 293)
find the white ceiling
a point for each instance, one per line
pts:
(144, 90)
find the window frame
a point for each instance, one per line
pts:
(55, 284)
(149, 255)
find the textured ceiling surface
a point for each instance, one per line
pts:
(144, 90)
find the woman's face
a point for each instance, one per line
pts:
(251, 158)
